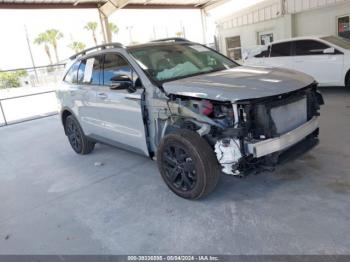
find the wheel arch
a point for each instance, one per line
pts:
(65, 112)
(180, 124)
(347, 78)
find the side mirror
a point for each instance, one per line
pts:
(330, 50)
(122, 82)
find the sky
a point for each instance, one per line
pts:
(141, 25)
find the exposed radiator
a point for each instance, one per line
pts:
(290, 116)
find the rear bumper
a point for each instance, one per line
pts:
(269, 146)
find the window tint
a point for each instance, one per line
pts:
(71, 76)
(281, 49)
(97, 71)
(90, 70)
(115, 66)
(81, 71)
(309, 47)
(344, 27)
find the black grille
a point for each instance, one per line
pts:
(260, 122)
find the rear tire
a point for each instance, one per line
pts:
(79, 142)
(187, 164)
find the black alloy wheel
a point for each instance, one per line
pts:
(79, 142)
(179, 168)
(74, 135)
(187, 164)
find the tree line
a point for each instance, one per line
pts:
(51, 38)
(47, 39)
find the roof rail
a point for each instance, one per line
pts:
(174, 39)
(100, 47)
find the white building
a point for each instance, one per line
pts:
(273, 20)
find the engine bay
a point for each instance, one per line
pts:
(231, 128)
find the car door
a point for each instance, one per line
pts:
(81, 96)
(89, 74)
(280, 55)
(311, 58)
(120, 110)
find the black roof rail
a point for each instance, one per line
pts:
(174, 39)
(103, 46)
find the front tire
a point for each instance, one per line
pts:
(79, 142)
(187, 164)
(347, 80)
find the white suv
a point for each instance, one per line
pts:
(327, 59)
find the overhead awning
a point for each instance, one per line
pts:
(106, 6)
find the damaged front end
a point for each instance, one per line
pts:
(245, 134)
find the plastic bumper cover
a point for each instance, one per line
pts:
(284, 141)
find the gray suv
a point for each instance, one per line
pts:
(195, 111)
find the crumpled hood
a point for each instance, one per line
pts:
(239, 83)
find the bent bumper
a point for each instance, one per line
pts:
(283, 142)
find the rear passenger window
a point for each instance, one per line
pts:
(309, 47)
(115, 66)
(90, 71)
(71, 76)
(81, 71)
(281, 49)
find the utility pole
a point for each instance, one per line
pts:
(183, 29)
(154, 33)
(129, 28)
(31, 55)
(204, 26)
(104, 25)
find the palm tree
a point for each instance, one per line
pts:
(92, 26)
(77, 46)
(113, 29)
(179, 34)
(43, 38)
(53, 36)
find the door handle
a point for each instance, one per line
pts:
(133, 97)
(102, 95)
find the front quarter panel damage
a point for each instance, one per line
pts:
(233, 130)
(212, 120)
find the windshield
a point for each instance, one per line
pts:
(339, 41)
(167, 62)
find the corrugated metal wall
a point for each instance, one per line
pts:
(271, 9)
(256, 14)
(296, 6)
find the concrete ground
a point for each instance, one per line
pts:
(54, 201)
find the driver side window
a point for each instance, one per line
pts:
(114, 67)
(71, 76)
